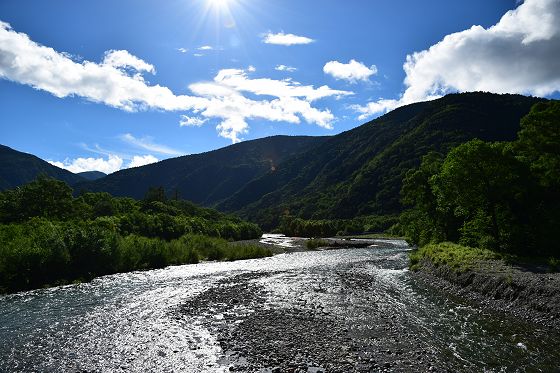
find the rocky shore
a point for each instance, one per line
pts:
(526, 292)
(258, 335)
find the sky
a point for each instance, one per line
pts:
(106, 85)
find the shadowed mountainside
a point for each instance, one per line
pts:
(18, 168)
(206, 178)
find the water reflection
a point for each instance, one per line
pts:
(129, 321)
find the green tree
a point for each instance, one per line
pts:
(539, 143)
(486, 186)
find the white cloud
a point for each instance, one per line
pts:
(251, 69)
(285, 68)
(352, 71)
(122, 58)
(111, 164)
(290, 100)
(142, 160)
(113, 83)
(285, 39)
(183, 50)
(191, 121)
(519, 54)
(26, 62)
(107, 165)
(146, 143)
(205, 48)
(198, 54)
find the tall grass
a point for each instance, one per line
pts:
(42, 253)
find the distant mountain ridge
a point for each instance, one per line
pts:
(18, 168)
(92, 175)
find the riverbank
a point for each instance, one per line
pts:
(526, 291)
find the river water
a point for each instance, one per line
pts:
(136, 322)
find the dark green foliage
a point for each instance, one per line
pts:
(48, 237)
(499, 196)
(360, 172)
(324, 228)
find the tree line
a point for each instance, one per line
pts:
(49, 237)
(502, 196)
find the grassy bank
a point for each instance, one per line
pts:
(463, 258)
(457, 257)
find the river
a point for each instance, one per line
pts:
(337, 310)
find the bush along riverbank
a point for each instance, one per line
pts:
(527, 288)
(48, 237)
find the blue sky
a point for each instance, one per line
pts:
(112, 84)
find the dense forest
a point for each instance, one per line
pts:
(49, 237)
(360, 172)
(501, 196)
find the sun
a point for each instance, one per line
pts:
(220, 4)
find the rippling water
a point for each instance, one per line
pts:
(129, 321)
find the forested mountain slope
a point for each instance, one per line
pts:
(359, 172)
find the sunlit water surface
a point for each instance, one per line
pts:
(130, 321)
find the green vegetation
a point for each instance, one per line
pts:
(360, 172)
(457, 257)
(336, 227)
(49, 237)
(501, 197)
(315, 243)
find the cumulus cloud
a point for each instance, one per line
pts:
(142, 160)
(352, 71)
(285, 68)
(146, 143)
(118, 82)
(109, 165)
(285, 39)
(519, 54)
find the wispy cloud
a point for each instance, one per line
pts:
(205, 48)
(519, 54)
(146, 143)
(285, 68)
(352, 71)
(285, 39)
(182, 50)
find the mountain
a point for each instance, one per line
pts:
(206, 178)
(92, 175)
(359, 172)
(18, 168)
